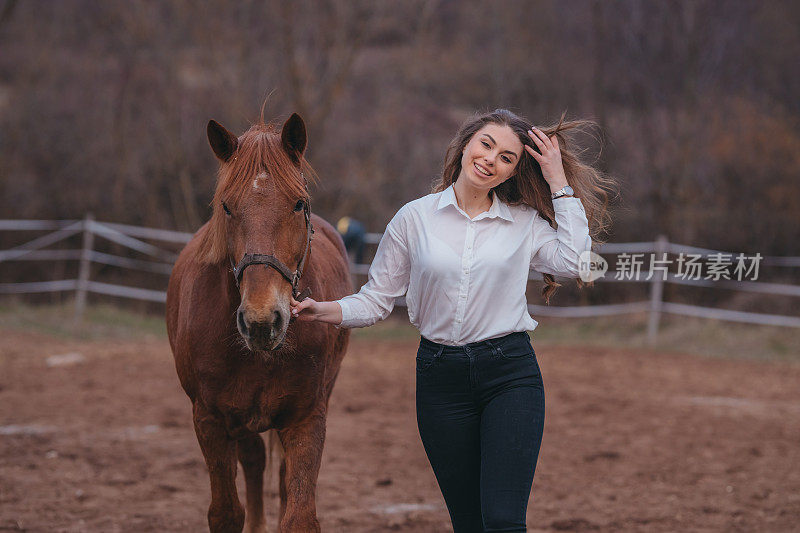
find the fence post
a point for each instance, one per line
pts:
(656, 292)
(84, 268)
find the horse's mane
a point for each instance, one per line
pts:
(259, 150)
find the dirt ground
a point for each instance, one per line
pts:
(100, 439)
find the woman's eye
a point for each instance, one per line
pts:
(507, 160)
(485, 144)
(299, 205)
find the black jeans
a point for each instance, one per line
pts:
(480, 413)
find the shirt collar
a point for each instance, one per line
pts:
(498, 209)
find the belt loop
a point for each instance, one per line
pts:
(491, 345)
(438, 352)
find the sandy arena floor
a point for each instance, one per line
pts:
(101, 440)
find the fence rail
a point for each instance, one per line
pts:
(161, 260)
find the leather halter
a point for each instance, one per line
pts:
(272, 261)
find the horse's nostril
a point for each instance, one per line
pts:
(277, 320)
(241, 322)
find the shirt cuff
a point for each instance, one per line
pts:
(345, 312)
(564, 203)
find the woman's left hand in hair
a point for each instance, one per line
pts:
(549, 160)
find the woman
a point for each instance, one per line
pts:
(462, 254)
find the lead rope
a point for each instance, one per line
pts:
(299, 272)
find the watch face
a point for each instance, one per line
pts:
(568, 190)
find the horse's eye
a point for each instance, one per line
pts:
(299, 205)
(225, 207)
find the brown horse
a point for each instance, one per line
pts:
(246, 365)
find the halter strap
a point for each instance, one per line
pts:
(270, 260)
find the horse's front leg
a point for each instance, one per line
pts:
(225, 512)
(252, 455)
(302, 445)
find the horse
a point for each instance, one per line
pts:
(244, 362)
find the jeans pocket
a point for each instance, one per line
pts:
(427, 358)
(517, 349)
(424, 364)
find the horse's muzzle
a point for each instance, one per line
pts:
(261, 333)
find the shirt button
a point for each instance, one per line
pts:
(458, 320)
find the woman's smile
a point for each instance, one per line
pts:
(483, 171)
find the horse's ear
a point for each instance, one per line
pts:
(222, 141)
(293, 137)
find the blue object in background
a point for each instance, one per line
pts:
(352, 232)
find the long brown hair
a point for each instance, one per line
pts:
(527, 185)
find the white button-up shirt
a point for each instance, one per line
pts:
(465, 278)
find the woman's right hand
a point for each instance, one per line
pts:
(306, 311)
(309, 310)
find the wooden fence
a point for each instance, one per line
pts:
(160, 262)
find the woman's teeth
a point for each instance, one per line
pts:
(479, 169)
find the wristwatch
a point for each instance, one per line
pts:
(564, 191)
